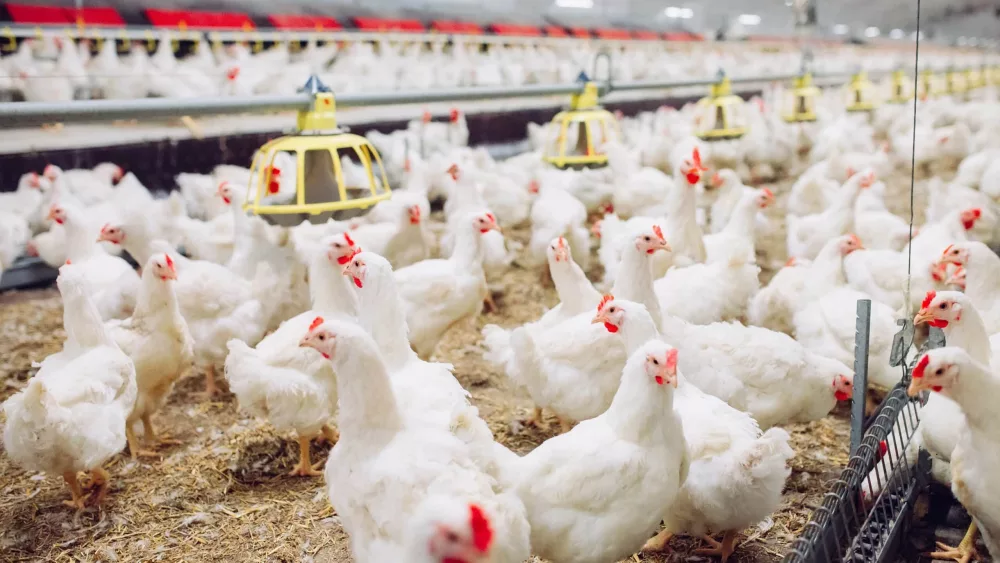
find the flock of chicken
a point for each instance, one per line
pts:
(58, 69)
(677, 380)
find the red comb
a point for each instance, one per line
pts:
(947, 250)
(790, 262)
(233, 73)
(672, 358)
(927, 299)
(768, 193)
(850, 171)
(561, 242)
(347, 238)
(454, 115)
(492, 218)
(604, 301)
(357, 250)
(918, 371)
(977, 212)
(426, 116)
(482, 535)
(316, 322)
(68, 261)
(659, 232)
(696, 157)
(170, 261)
(855, 238)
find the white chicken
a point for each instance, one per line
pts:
(382, 467)
(807, 235)
(157, 340)
(597, 492)
(71, 416)
(981, 269)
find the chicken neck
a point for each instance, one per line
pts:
(975, 391)
(982, 275)
(635, 281)
(329, 290)
(970, 335)
(638, 412)
(468, 253)
(80, 243)
(743, 220)
(383, 315)
(365, 397)
(571, 283)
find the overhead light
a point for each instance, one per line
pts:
(679, 13)
(973, 42)
(841, 29)
(580, 4)
(962, 41)
(872, 32)
(897, 34)
(749, 19)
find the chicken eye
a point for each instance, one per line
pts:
(322, 337)
(942, 306)
(656, 362)
(358, 264)
(612, 310)
(452, 537)
(646, 238)
(940, 371)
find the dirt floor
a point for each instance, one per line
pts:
(223, 495)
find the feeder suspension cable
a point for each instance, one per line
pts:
(913, 165)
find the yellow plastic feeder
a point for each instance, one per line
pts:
(720, 115)
(317, 147)
(802, 100)
(861, 93)
(589, 124)
(901, 91)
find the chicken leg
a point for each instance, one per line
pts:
(489, 304)
(304, 468)
(134, 450)
(659, 542)
(100, 479)
(331, 435)
(150, 434)
(211, 389)
(724, 549)
(536, 420)
(965, 551)
(565, 425)
(79, 499)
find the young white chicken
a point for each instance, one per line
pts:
(739, 233)
(400, 240)
(439, 293)
(597, 492)
(71, 416)
(736, 474)
(157, 340)
(383, 468)
(982, 271)
(113, 282)
(954, 373)
(294, 388)
(808, 234)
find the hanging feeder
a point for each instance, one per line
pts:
(929, 85)
(900, 88)
(861, 93)
(578, 133)
(317, 148)
(802, 100)
(719, 116)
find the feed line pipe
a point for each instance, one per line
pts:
(23, 114)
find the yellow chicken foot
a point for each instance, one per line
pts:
(79, 499)
(965, 551)
(100, 479)
(659, 542)
(134, 450)
(304, 467)
(724, 549)
(152, 438)
(537, 419)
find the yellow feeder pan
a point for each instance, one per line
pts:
(861, 93)
(317, 148)
(722, 111)
(592, 125)
(900, 86)
(803, 100)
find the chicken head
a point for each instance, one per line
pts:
(765, 198)
(341, 248)
(486, 222)
(843, 387)
(957, 278)
(661, 365)
(938, 370)
(57, 213)
(957, 254)
(225, 191)
(652, 240)
(970, 216)
(320, 338)
(111, 233)
(559, 250)
(460, 534)
(356, 269)
(850, 243)
(413, 212)
(609, 313)
(162, 266)
(941, 308)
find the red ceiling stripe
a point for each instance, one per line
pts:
(646, 35)
(298, 22)
(25, 13)
(379, 24)
(518, 30)
(214, 20)
(607, 33)
(465, 28)
(580, 32)
(555, 31)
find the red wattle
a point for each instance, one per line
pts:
(611, 328)
(659, 380)
(357, 282)
(693, 177)
(842, 395)
(343, 260)
(938, 323)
